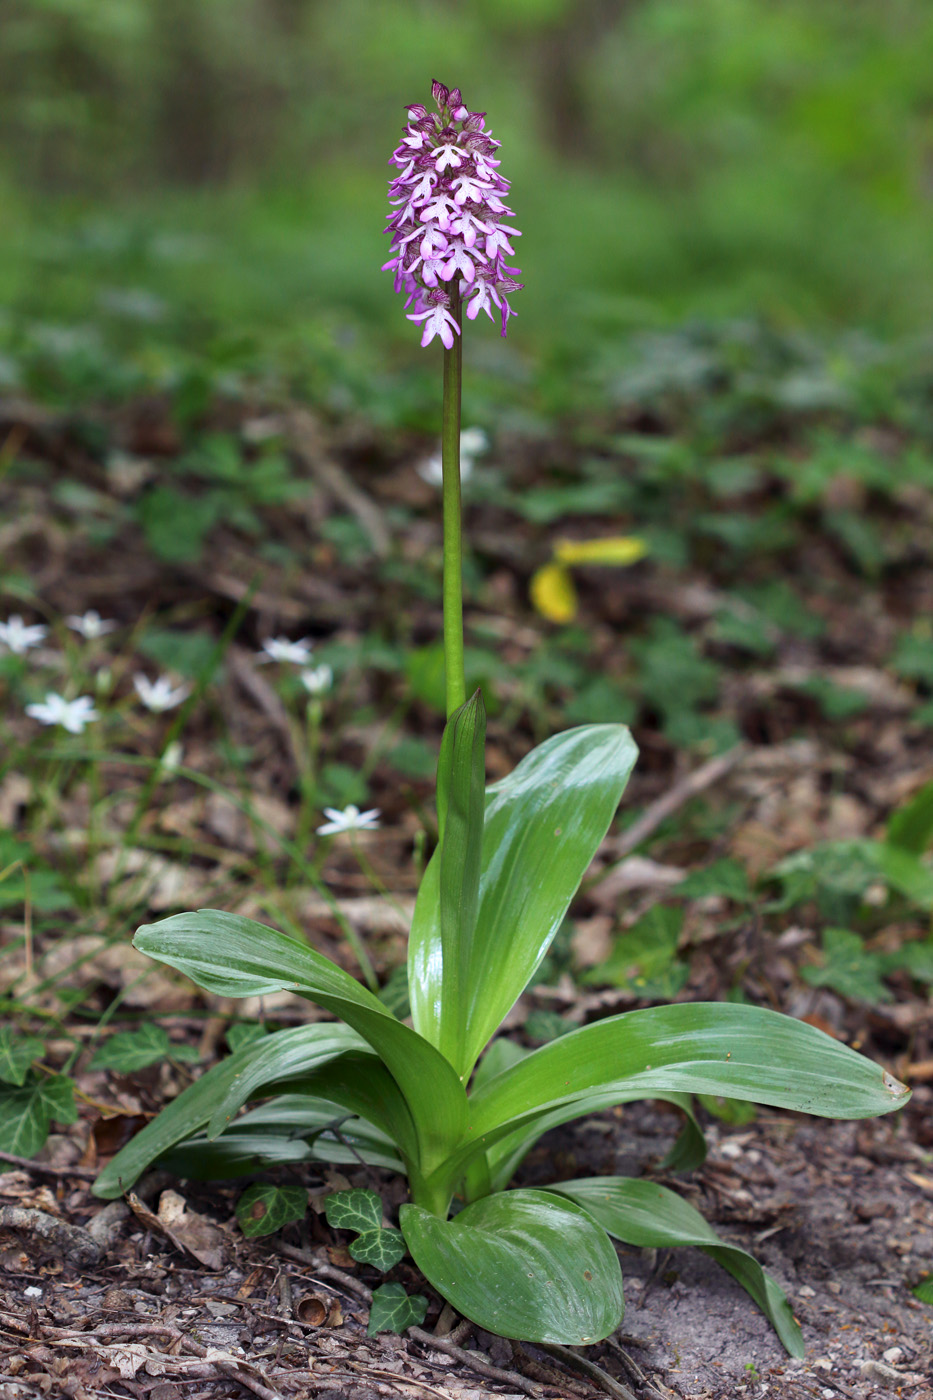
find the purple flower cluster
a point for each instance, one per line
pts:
(448, 201)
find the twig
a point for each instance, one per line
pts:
(69, 1242)
(589, 1369)
(308, 444)
(468, 1358)
(46, 1168)
(231, 1367)
(669, 802)
(325, 1270)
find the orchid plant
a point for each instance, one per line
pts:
(441, 1099)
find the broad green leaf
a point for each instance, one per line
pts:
(17, 1053)
(27, 1112)
(365, 1088)
(129, 1051)
(393, 1309)
(911, 826)
(262, 1209)
(294, 1051)
(524, 1264)
(505, 1155)
(461, 801)
(924, 1290)
(234, 956)
(357, 1209)
(290, 1128)
(543, 825)
(741, 1052)
(645, 1214)
(382, 1248)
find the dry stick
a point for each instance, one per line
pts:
(325, 1270)
(589, 1369)
(671, 801)
(70, 1242)
(307, 442)
(482, 1368)
(46, 1168)
(230, 1369)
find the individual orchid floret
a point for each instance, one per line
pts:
(448, 200)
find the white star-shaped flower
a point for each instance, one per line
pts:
(159, 695)
(281, 649)
(350, 819)
(473, 443)
(318, 681)
(72, 715)
(17, 637)
(90, 624)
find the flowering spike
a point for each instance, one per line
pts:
(448, 202)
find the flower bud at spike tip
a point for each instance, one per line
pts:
(448, 206)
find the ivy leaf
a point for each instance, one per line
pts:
(17, 1053)
(129, 1051)
(923, 1290)
(244, 1033)
(848, 967)
(263, 1209)
(393, 1309)
(27, 1112)
(358, 1210)
(381, 1248)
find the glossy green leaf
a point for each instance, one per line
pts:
(543, 825)
(234, 956)
(129, 1051)
(293, 1051)
(505, 1155)
(645, 1214)
(393, 1310)
(27, 1111)
(741, 1052)
(381, 1249)
(17, 1052)
(290, 1128)
(357, 1209)
(365, 1088)
(525, 1264)
(911, 826)
(262, 1209)
(461, 801)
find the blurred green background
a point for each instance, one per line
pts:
(207, 177)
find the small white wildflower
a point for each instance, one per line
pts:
(473, 443)
(318, 681)
(350, 819)
(281, 649)
(17, 637)
(90, 624)
(72, 715)
(159, 695)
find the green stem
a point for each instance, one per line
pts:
(453, 562)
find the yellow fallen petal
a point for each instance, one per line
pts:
(618, 549)
(553, 593)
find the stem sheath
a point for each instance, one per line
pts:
(453, 554)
